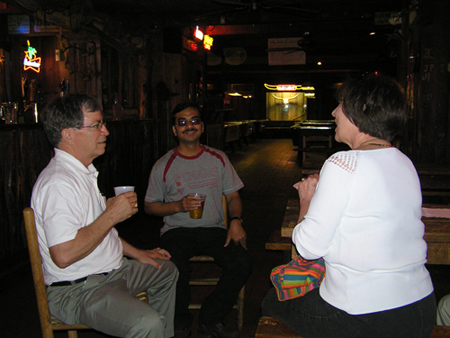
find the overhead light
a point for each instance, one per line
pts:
(319, 63)
(283, 87)
(234, 94)
(307, 86)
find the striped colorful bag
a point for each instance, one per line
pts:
(298, 277)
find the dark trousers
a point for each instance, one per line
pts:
(312, 317)
(234, 260)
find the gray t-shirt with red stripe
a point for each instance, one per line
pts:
(174, 176)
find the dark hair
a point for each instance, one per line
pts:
(66, 112)
(375, 103)
(182, 106)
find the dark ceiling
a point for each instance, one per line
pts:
(335, 32)
(331, 31)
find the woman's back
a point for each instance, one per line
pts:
(364, 219)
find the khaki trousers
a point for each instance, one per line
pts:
(107, 303)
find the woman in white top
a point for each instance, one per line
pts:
(364, 218)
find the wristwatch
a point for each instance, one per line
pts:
(238, 218)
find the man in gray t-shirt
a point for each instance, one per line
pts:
(195, 168)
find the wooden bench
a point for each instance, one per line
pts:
(437, 234)
(434, 180)
(269, 327)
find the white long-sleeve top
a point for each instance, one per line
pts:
(365, 221)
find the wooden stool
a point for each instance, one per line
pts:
(440, 332)
(269, 327)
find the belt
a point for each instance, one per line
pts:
(76, 281)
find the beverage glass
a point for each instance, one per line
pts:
(123, 189)
(197, 213)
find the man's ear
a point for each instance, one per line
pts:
(67, 135)
(174, 131)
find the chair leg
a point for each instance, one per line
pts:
(72, 334)
(240, 309)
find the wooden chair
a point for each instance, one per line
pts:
(213, 281)
(48, 322)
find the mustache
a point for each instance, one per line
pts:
(188, 130)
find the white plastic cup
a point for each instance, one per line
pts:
(123, 189)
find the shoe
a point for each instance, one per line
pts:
(182, 333)
(218, 330)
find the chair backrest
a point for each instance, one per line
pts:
(225, 210)
(38, 275)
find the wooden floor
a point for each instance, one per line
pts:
(268, 168)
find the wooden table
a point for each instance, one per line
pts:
(437, 234)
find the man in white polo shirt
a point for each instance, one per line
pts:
(89, 280)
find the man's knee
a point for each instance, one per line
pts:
(148, 325)
(443, 317)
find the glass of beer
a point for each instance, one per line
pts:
(197, 213)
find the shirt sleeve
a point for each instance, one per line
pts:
(156, 189)
(314, 235)
(61, 213)
(231, 180)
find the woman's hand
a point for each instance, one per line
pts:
(306, 189)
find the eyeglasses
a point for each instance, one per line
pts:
(97, 126)
(183, 122)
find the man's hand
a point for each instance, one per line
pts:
(237, 234)
(149, 256)
(189, 203)
(123, 206)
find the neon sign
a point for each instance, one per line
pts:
(198, 34)
(30, 60)
(283, 87)
(207, 42)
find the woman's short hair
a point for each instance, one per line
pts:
(182, 106)
(375, 103)
(66, 112)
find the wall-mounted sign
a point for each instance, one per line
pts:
(207, 42)
(189, 44)
(18, 24)
(235, 56)
(30, 61)
(41, 26)
(213, 59)
(285, 51)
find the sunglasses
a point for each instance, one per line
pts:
(183, 122)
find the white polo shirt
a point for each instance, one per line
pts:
(66, 198)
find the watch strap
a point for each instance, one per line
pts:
(238, 218)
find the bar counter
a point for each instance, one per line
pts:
(25, 151)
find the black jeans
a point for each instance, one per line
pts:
(312, 317)
(234, 260)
